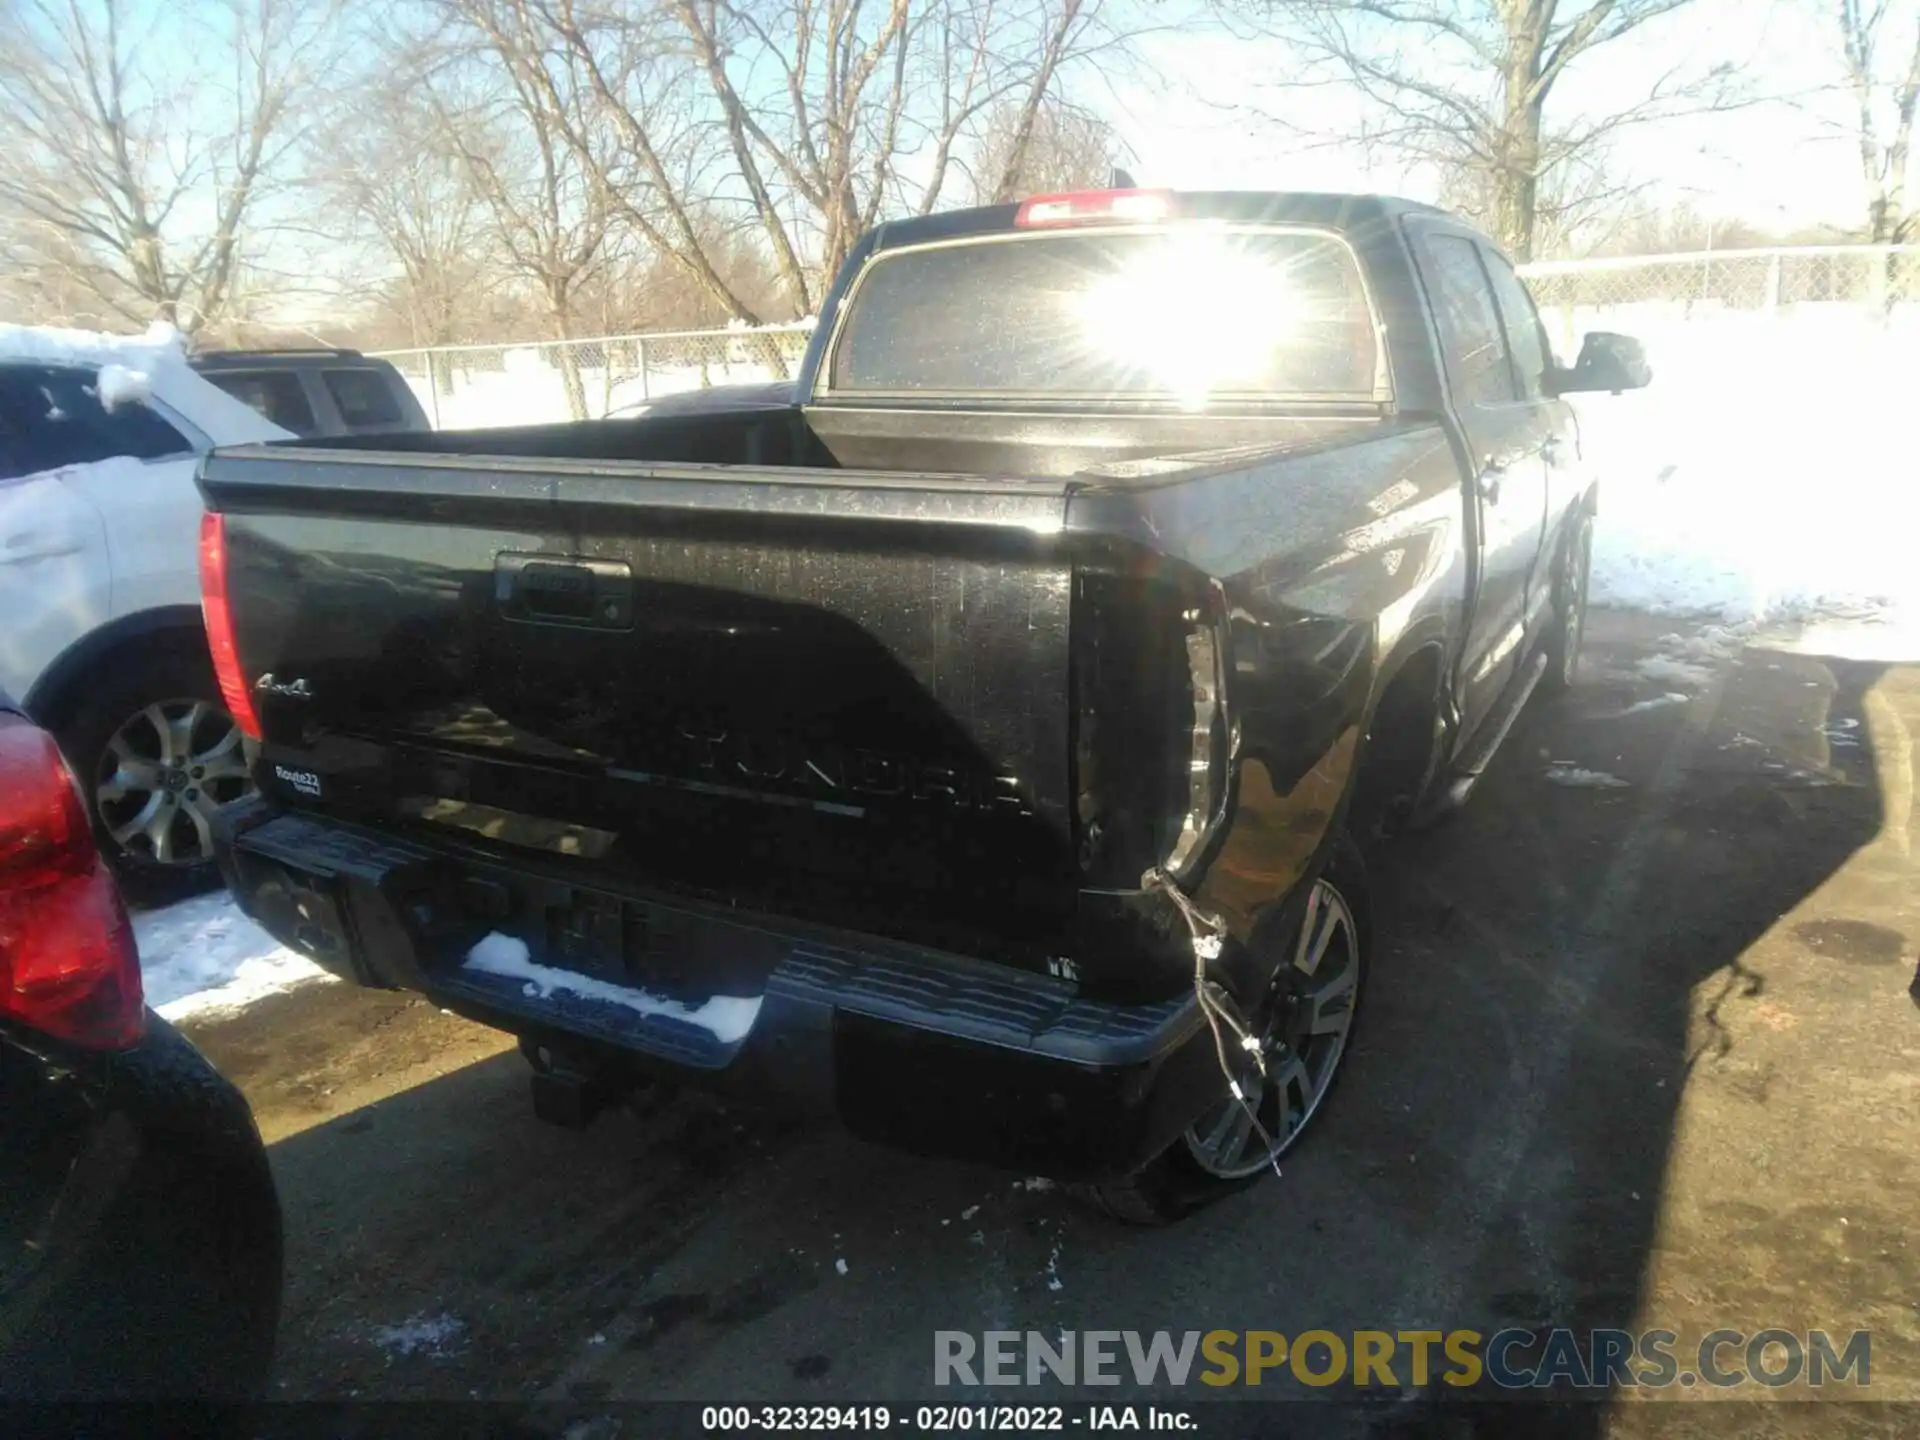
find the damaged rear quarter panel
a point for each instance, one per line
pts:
(1334, 562)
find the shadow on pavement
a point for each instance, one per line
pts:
(1558, 968)
(1561, 970)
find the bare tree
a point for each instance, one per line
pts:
(1678, 229)
(40, 278)
(497, 111)
(851, 106)
(1580, 203)
(998, 68)
(651, 104)
(1885, 92)
(1057, 44)
(1055, 148)
(142, 141)
(384, 174)
(1465, 85)
(798, 117)
(638, 288)
(724, 154)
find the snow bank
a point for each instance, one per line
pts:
(529, 391)
(202, 956)
(726, 1017)
(1766, 473)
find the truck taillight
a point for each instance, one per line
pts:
(1094, 207)
(1208, 743)
(1153, 731)
(219, 618)
(68, 965)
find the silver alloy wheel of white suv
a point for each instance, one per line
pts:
(163, 772)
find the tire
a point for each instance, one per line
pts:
(1202, 1166)
(154, 752)
(1571, 572)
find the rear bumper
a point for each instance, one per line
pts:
(918, 1048)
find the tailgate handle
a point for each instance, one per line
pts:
(563, 590)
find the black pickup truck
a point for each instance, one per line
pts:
(968, 747)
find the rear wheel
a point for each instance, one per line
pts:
(1569, 605)
(1304, 1024)
(156, 754)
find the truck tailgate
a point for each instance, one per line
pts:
(840, 695)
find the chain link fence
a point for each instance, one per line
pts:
(1684, 305)
(1867, 282)
(470, 386)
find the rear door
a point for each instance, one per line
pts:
(134, 466)
(1505, 433)
(1566, 477)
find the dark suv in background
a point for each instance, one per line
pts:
(317, 392)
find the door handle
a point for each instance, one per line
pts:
(562, 590)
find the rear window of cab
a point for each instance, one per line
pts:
(1183, 312)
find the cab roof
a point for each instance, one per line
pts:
(1321, 210)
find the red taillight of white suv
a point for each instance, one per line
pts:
(68, 964)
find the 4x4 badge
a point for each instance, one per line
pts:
(291, 689)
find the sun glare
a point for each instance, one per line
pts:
(1201, 312)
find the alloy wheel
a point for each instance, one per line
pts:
(162, 775)
(1303, 1033)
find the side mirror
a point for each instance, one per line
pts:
(1607, 362)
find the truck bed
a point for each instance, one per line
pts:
(994, 443)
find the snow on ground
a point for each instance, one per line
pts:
(1576, 777)
(1766, 474)
(529, 391)
(1658, 702)
(201, 956)
(1672, 670)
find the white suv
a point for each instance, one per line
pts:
(100, 629)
